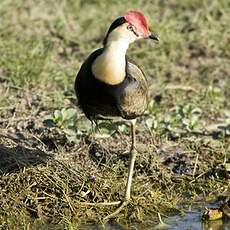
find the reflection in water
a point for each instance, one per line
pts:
(189, 221)
(192, 221)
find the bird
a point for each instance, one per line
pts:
(109, 85)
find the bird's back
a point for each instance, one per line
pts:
(99, 100)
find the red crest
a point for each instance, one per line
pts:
(137, 19)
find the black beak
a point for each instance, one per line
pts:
(153, 37)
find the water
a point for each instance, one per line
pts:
(190, 220)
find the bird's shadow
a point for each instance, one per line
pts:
(13, 159)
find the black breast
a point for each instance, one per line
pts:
(98, 99)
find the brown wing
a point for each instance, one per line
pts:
(135, 96)
(135, 71)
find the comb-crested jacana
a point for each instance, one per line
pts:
(109, 85)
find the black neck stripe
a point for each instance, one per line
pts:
(115, 24)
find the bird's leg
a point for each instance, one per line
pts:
(133, 153)
(93, 130)
(92, 126)
(127, 197)
(97, 129)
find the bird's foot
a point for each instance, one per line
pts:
(118, 210)
(101, 203)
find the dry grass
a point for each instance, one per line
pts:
(45, 179)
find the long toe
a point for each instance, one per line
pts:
(117, 211)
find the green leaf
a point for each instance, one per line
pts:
(71, 135)
(57, 116)
(122, 128)
(68, 114)
(149, 123)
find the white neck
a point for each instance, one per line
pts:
(110, 66)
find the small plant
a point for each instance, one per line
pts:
(73, 125)
(189, 116)
(69, 121)
(152, 123)
(182, 117)
(152, 106)
(65, 118)
(123, 128)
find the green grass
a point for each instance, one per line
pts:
(42, 45)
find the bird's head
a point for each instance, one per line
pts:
(132, 26)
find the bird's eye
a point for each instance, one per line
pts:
(129, 27)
